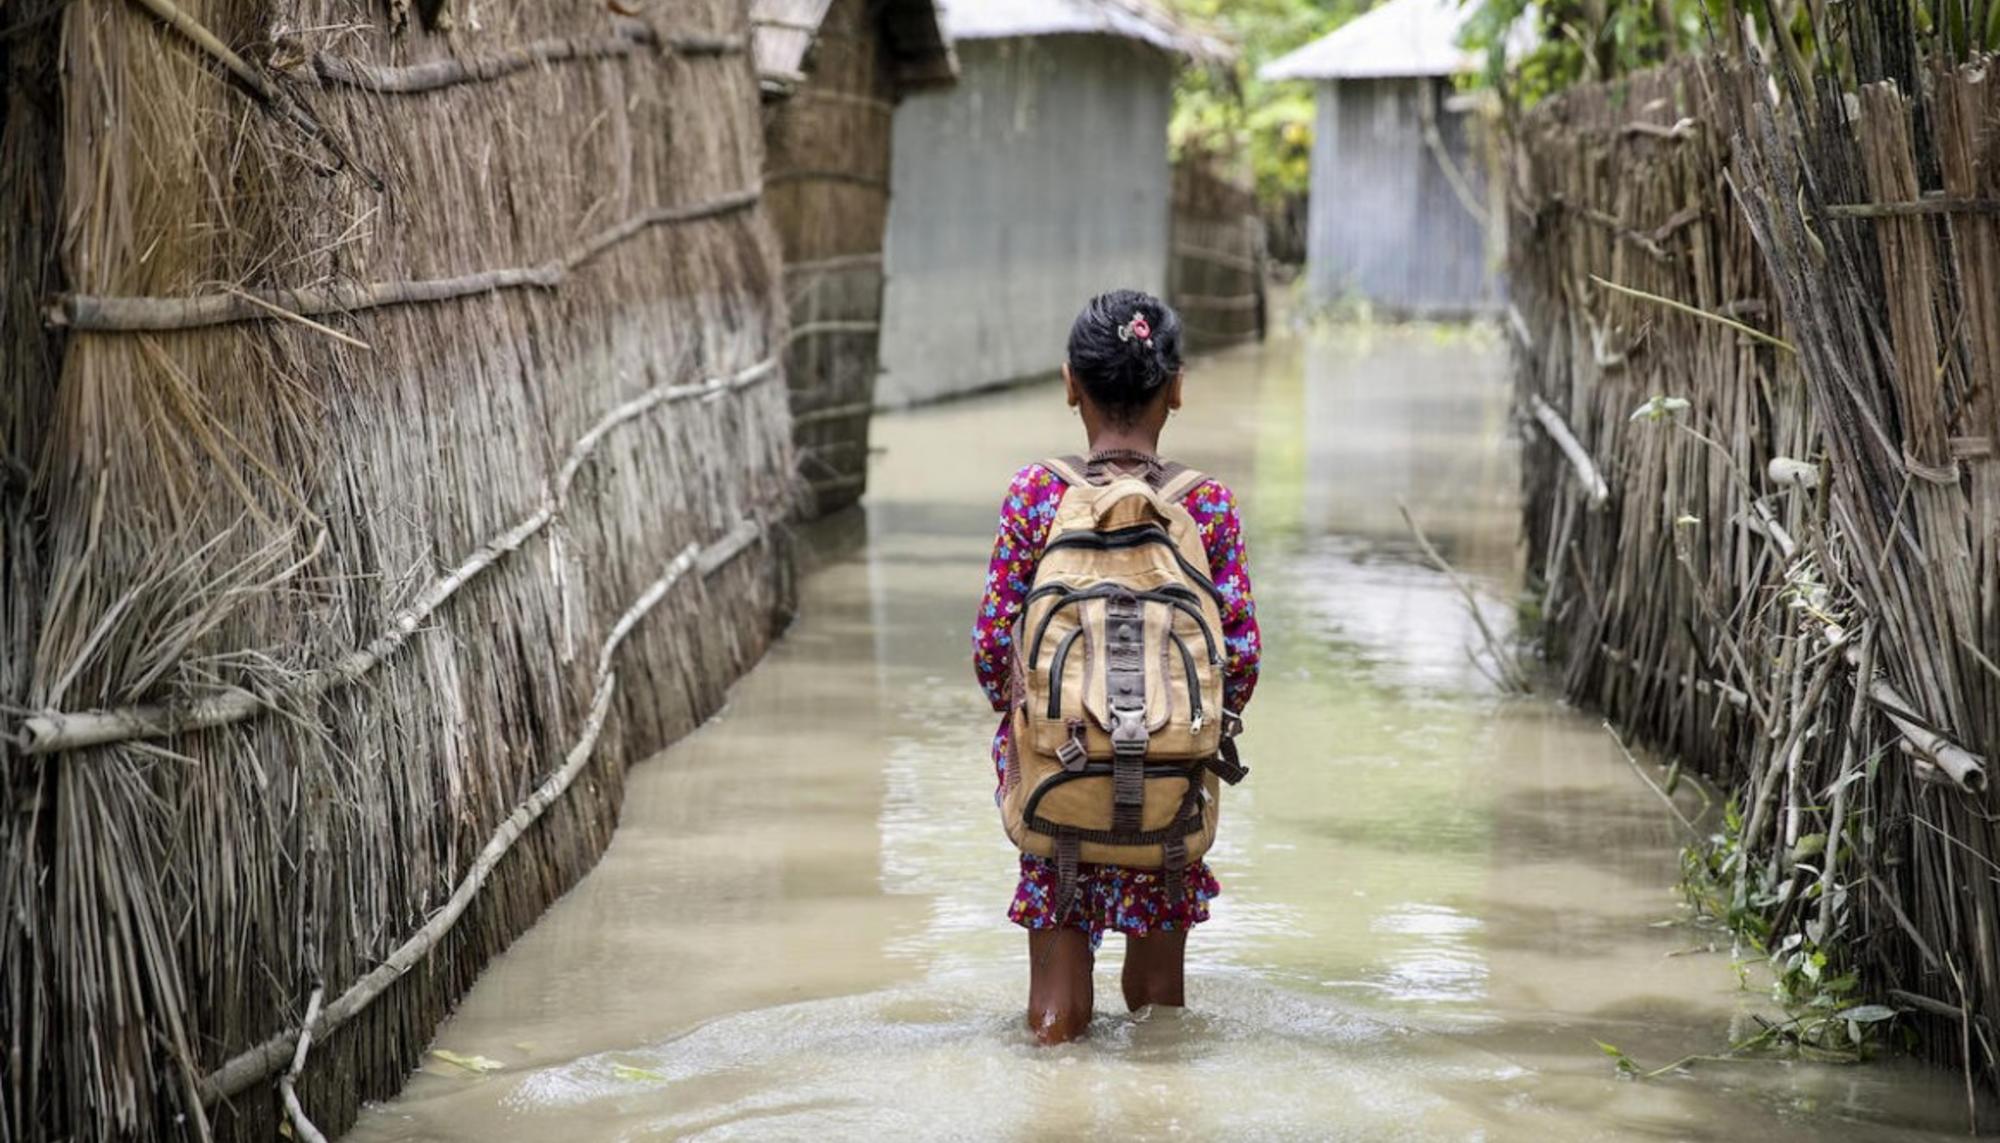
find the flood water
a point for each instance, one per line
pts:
(1436, 899)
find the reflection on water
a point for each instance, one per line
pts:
(1435, 898)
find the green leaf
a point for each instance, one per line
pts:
(1811, 845)
(1659, 408)
(1866, 1014)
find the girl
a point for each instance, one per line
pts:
(1123, 376)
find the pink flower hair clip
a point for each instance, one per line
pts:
(1138, 327)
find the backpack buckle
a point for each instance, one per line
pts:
(1072, 753)
(1128, 730)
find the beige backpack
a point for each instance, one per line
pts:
(1119, 734)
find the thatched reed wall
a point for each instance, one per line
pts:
(1215, 264)
(394, 379)
(829, 201)
(1792, 582)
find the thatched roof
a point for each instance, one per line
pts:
(1401, 39)
(1139, 20)
(783, 31)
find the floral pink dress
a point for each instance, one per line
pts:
(1114, 897)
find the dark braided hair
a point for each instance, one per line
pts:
(1125, 364)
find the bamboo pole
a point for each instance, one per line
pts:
(627, 36)
(49, 732)
(123, 314)
(1579, 457)
(288, 1085)
(250, 1066)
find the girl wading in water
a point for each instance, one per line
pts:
(1119, 638)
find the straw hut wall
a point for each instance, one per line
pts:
(1756, 354)
(827, 142)
(1215, 267)
(393, 428)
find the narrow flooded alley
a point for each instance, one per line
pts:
(1437, 900)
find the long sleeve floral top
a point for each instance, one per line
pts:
(1025, 516)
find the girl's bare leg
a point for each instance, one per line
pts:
(1059, 990)
(1153, 970)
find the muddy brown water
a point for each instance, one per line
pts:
(1436, 900)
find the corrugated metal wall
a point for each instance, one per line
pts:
(1040, 180)
(1386, 226)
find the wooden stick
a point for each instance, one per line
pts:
(814, 328)
(1511, 675)
(834, 413)
(1216, 257)
(250, 1066)
(255, 82)
(626, 37)
(50, 732)
(288, 1084)
(1212, 302)
(116, 314)
(1579, 457)
(287, 315)
(1938, 205)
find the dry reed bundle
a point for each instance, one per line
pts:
(391, 531)
(828, 197)
(1774, 341)
(1215, 268)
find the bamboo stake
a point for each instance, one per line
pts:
(52, 731)
(1579, 457)
(254, 1064)
(288, 1084)
(124, 314)
(1966, 769)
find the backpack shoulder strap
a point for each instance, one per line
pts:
(1069, 468)
(1179, 481)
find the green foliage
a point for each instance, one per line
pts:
(1578, 41)
(1227, 112)
(1812, 979)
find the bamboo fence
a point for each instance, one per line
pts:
(1756, 340)
(1216, 266)
(394, 431)
(828, 166)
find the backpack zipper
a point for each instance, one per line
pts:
(1101, 770)
(1193, 683)
(1056, 672)
(1133, 537)
(1180, 598)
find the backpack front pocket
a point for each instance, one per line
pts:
(1169, 680)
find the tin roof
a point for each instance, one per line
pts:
(1399, 39)
(1140, 20)
(783, 31)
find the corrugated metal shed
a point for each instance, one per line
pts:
(1402, 39)
(1131, 19)
(783, 31)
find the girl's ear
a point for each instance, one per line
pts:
(1174, 390)
(1071, 395)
